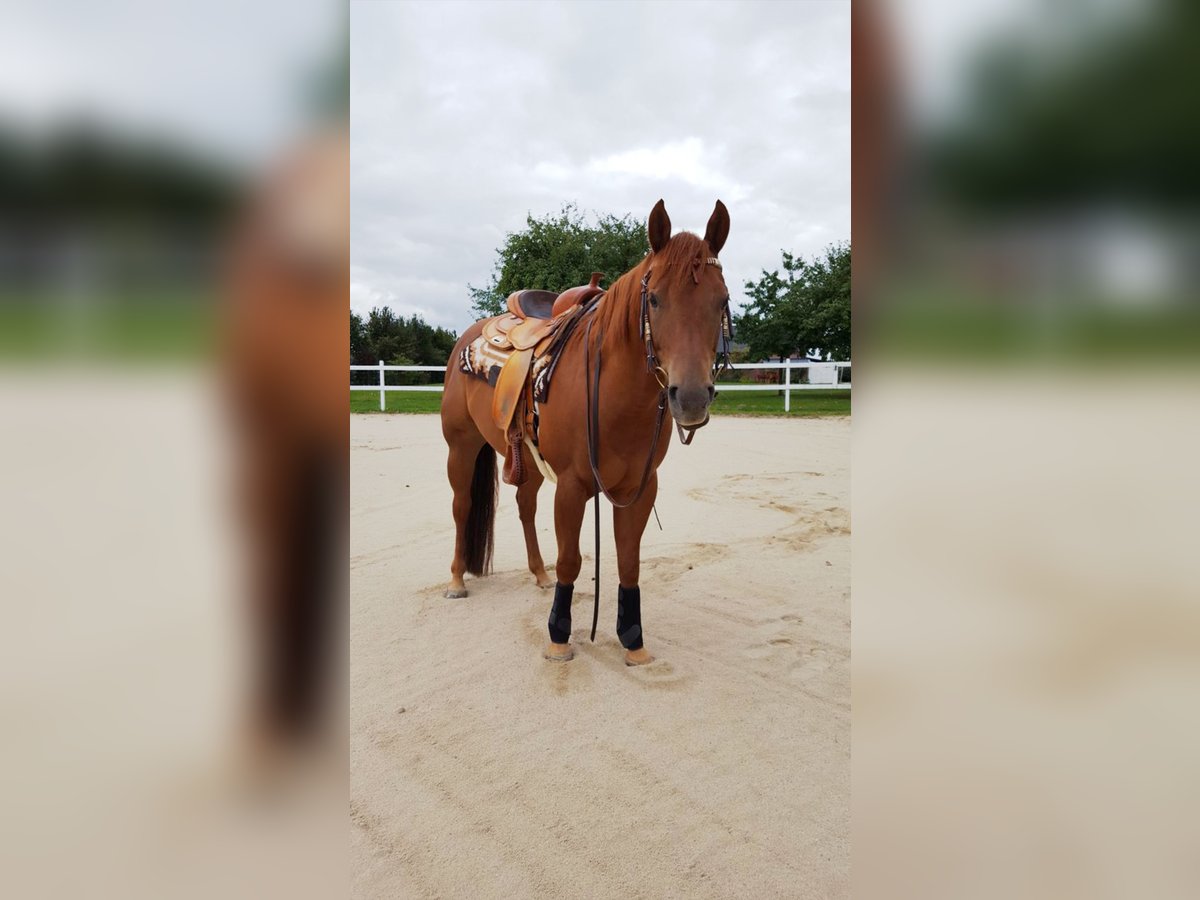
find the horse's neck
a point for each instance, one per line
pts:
(624, 360)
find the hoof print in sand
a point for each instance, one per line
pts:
(787, 646)
(660, 673)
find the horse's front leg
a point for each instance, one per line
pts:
(570, 498)
(629, 524)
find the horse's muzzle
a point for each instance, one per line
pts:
(689, 404)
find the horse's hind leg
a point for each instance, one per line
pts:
(472, 470)
(527, 505)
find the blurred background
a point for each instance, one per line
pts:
(127, 145)
(173, 280)
(1026, 632)
(1034, 182)
(1026, 582)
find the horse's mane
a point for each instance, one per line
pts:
(620, 311)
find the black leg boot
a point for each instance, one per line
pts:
(629, 617)
(560, 614)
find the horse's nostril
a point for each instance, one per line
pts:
(712, 393)
(673, 391)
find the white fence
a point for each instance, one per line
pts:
(820, 370)
(833, 369)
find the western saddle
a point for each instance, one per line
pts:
(528, 332)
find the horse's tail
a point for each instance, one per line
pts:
(482, 517)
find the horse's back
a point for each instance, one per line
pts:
(467, 400)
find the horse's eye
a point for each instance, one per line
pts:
(654, 299)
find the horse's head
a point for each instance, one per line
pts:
(686, 299)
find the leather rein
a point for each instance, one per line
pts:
(592, 397)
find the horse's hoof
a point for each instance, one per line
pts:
(639, 657)
(559, 653)
(546, 586)
(455, 593)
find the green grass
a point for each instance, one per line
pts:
(178, 325)
(766, 403)
(397, 401)
(735, 403)
(936, 322)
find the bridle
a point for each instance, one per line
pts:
(592, 397)
(720, 365)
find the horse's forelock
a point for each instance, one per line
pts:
(681, 254)
(678, 258)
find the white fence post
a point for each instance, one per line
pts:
(787, 386)
(382, 390)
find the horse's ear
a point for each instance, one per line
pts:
(718, 228)
(658, 229)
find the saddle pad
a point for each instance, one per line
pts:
(541, 377)
(483, 360)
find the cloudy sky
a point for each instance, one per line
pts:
(228, 77)
(465, 117)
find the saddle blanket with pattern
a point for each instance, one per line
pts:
(484, 360)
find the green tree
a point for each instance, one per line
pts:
(1100, 118)
(399, 342)
(560, 251)
(358, 339)
(805, 310)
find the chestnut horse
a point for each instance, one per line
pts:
(614, 379)
(285, 333)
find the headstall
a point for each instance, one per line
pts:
(720, 366)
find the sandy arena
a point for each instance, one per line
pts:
(720, 770)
